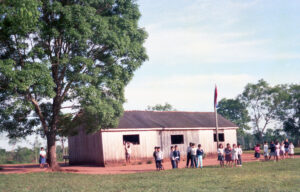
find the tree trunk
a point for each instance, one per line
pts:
(63, 146)
(261, 139)
(51, 155)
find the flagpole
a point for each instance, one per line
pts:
(217, 134)
(216, 114)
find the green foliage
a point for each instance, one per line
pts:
(255, 176)
(58, 52)
(264, 103)
(235, 111)
(25, 155)
(291, 113)
(159, 107)
(274, 135)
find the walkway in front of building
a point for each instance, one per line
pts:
(29, 168)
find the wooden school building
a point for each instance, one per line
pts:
(147, 129)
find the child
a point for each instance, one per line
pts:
(282, 150)
(127, 152)
(193, 156)
(159, 158)
(234, 154)
(176, 155)
(221, 155)
(272, 150)
(172, 158)
(200, 154)
(155, 158)
(266, 151)
(291, 150)
(257, 151)
(228, 155)
(188, 155)
(240, 152)
(42, 159)
(277, 147)
(286, 147)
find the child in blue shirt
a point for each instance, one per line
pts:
(200, 154)
(176, 155)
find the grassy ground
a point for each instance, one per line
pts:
(255, 176)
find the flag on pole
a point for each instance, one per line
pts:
(216, 95)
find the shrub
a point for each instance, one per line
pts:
(149, 162)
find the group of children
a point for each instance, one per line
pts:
(195, 156)
(277, 150)
(158, 157)
(230, 155)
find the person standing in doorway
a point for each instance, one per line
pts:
(128, 152)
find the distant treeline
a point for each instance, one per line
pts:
(25, 155)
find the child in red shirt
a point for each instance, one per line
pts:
(257, 151)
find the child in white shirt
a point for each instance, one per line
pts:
(159, 158)
(234, 154)
(291, 150)
(221, 155)
(239, 152)
(266, 151)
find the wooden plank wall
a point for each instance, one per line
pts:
(114, 150)
(86, 149)
(230, 136)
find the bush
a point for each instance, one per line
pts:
(139, 163)
(11, 162)
(149, 162)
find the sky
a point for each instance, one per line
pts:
(194, 45)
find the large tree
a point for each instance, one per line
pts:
(235, 111)
(57, 52)
(264, 103)
(291, 113)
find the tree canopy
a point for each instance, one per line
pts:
(235, 111)
(264, 103)
(57, 54)
(160, 107)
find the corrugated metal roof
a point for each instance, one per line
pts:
(171, 119)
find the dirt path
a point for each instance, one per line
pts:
(29, 168)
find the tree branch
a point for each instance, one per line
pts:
(38, 112)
